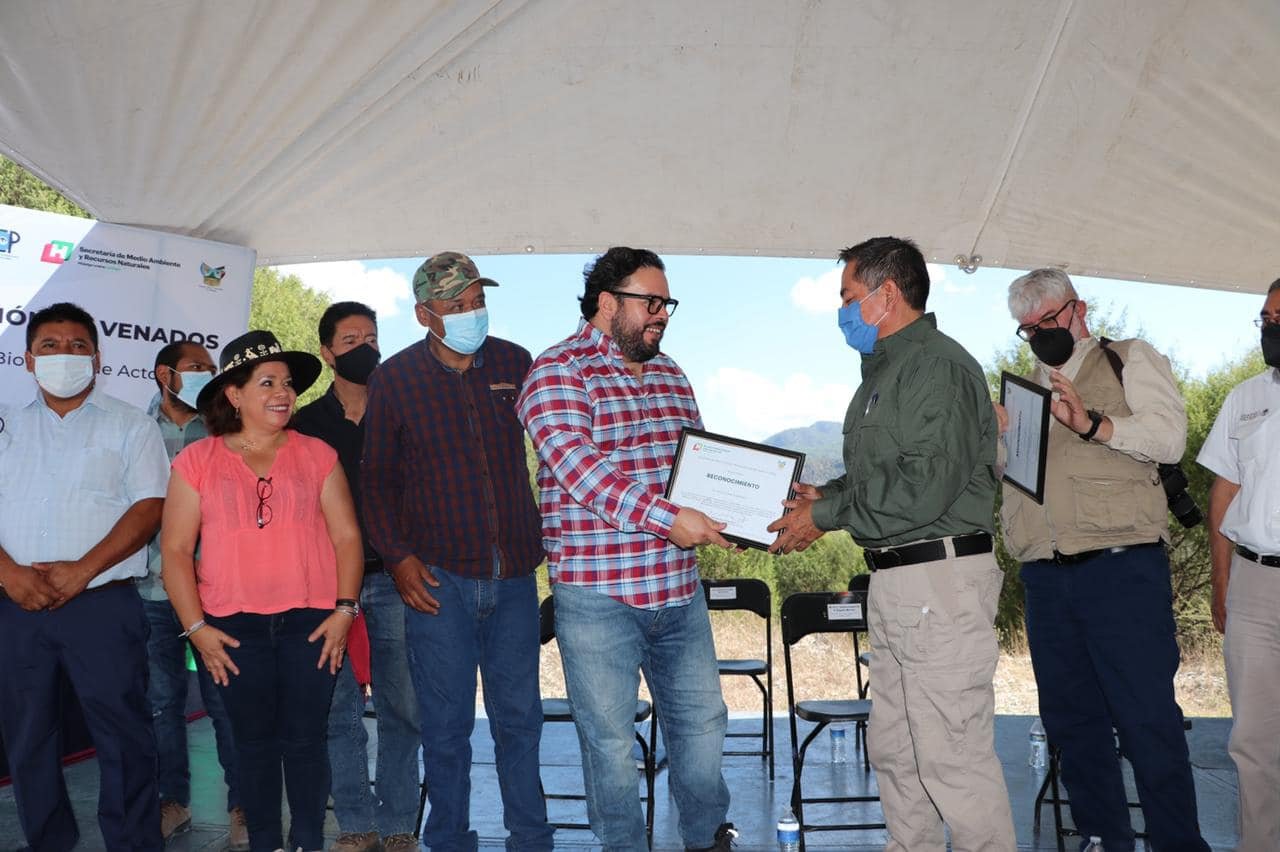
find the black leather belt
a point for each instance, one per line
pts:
(1085, 555)
(1269, 561)
(373, 564)
(927, 551)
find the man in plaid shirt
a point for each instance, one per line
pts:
(605, 408)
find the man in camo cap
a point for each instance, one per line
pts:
(448, 505)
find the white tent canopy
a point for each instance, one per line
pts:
(1135, 139)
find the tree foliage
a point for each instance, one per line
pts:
(20, 188)
(282, 305)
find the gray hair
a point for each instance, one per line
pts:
(1030, 290)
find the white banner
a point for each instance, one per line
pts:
(144, 288)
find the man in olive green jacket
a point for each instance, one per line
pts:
(918, 496)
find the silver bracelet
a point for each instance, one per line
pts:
(192, 629)
(351, 611)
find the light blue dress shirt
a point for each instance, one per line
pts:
(67, 480)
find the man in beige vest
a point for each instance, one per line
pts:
(1098, 600)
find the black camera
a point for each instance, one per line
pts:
(1181, 504)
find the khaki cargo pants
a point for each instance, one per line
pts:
(931, 737)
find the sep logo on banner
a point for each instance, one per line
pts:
(144, 289)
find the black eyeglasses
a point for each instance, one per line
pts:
(656, 303)
(1026, 332)
(1263, 322)
(264, 510)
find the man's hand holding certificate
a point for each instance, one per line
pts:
(737, 483)
(796, 529)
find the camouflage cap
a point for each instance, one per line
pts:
(445, 275)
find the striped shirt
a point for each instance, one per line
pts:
(605, 442)
(68, 480)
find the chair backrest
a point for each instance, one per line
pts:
(547, 620)
(739, 593)
(823, 612)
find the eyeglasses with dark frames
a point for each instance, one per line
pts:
(655, 303)
(264, 509)
(1026, 332)
(1263, 322)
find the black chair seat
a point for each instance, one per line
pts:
(742, 667)
(834, 711)
(557, 710)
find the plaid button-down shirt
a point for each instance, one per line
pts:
(444, 476)
(605, 442)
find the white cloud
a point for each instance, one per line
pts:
(752, 406)
(350, 280)
(819, 295)
(940, 279)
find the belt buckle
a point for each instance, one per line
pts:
(889, 558)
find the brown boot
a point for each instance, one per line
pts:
(237, 831)
(174, 819)
(364, 841)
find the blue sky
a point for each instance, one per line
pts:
(758, 336)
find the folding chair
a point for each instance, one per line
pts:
(862, 583)
(751, 596)
(1051, 794)
(558, 710)
(803, 614)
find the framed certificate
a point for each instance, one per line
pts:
(736, 482)
(1027, 438)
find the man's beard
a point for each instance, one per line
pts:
(631, 340)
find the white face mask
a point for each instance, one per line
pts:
(64, 376)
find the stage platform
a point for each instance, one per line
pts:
(756, 801)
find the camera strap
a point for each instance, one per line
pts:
(1113, 358)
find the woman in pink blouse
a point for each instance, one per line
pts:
(270, 599)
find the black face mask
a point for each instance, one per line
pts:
(1271, 345)
(1053, 346)
(358, 364)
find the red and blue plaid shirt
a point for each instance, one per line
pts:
(444, 474)
(605, 442)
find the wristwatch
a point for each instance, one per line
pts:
(1096, 418)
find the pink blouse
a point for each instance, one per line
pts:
(290, 562)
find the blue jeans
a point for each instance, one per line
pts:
(279, 710)
(492, 624)
(604, 645)
(393, 810)
(1102, 645)
(167, 693)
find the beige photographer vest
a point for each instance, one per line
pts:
(1094, 496)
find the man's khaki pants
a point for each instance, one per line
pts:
(931, 738)
(1252, 651)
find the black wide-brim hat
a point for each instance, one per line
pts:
(255, 347)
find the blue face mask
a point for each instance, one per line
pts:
(857, 332)
(192, 384)
(464, 333)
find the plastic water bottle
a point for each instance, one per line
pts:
(839, 744)
(788, 832)
(1039, 746)
(1095, 844)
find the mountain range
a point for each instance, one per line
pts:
(821, 444)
